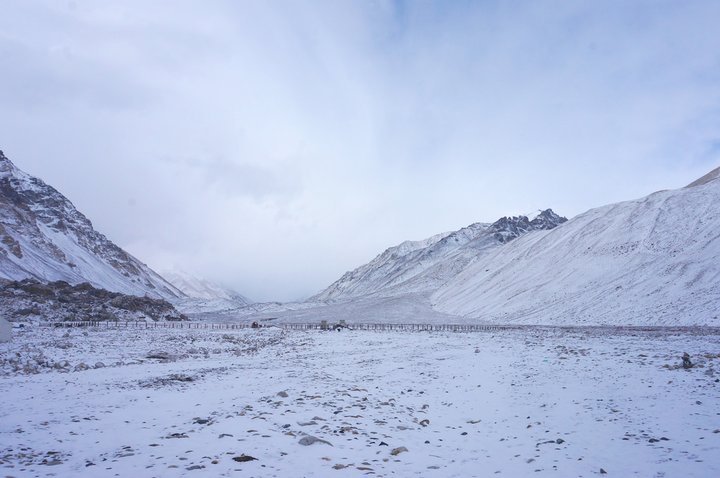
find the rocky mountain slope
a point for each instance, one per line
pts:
(651, 261)
(44, 237)
(421, 267)
(30, 300)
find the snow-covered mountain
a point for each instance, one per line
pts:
(651, 261)
(421, 267)
(197, 288)
(44, 237)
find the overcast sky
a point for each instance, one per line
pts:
(273, 145)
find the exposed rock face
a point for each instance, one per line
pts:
(43, 236)
(59, 301)
(508, 228)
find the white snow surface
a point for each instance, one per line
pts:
(43, 236)
(531, 402)
(654, 260)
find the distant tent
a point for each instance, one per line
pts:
(5, 330)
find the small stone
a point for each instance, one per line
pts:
(282, 394)
(559, 441)
(244, 458)
(425, 422)
(99, 365)
(195, 467)
(687, 363)
(603, 472)
(160, 355)
(311, 440)
(397, 451)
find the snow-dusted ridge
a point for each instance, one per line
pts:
(651, 261)
(44, 237)
(421, 267)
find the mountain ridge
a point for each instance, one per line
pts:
(423, 266)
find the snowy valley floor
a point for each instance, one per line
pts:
(532, 402)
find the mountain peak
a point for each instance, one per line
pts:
(711, 176)
(506, 228)
(6, 166)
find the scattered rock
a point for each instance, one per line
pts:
(243, 458)
(195, 467)
(397, 451)
(603, 472)
(282, 394)
(425, 422)
(160, 355)
(559, 441)
(308, 440)
(687, 363)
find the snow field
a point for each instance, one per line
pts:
(533, 402)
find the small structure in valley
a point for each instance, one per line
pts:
(5, 330)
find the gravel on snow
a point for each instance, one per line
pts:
(533, 402)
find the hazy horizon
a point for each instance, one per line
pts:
(272, 146)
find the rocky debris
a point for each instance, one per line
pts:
(172, 379)
(308, 440)
(687, 363)
(59, 302)
(282, 394)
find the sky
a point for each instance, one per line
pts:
(272, 145)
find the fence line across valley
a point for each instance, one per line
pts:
(381, 327)
(285, 326)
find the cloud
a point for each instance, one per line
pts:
(274, 145)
